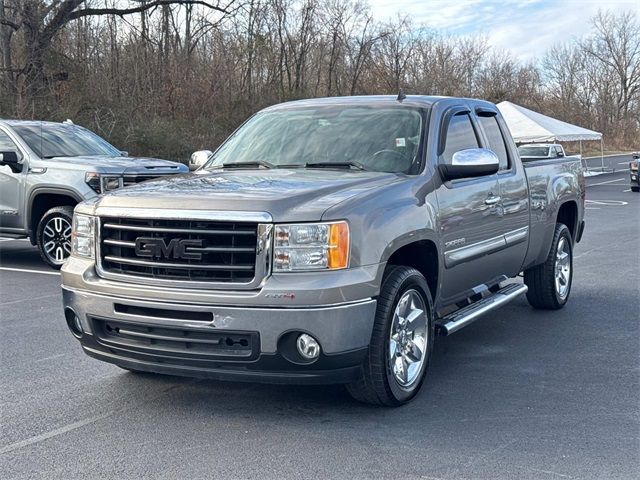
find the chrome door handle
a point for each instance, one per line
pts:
(492, 200)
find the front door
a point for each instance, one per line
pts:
(469, 212)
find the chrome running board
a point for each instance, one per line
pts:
(461, 318)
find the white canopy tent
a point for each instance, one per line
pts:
(527, 126)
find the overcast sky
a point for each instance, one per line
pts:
(526, 27)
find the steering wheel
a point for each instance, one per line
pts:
(388, 160)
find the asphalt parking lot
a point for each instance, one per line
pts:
(520, 394)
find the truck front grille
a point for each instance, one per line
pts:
(188, 250)
(169, 342)
(129, 180)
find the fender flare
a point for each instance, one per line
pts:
(68, 192)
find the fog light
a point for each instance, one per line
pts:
(74, 323)
(308, 347)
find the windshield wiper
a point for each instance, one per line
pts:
(253, 164)
(356, 165)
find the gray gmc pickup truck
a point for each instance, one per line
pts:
(326, 241)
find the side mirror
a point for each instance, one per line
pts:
(472, 162)
(559, 154)
(124, 153)
(199, 158)
(11, 160)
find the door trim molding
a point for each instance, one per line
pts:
(460, 255)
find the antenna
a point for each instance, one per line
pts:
(401, 95)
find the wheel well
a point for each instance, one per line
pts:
(423, 256)
(43, 202)
(568, 214)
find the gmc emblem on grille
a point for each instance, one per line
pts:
(177, 248)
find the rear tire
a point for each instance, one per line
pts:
(53, 235)
(401, 342)
(550, 283)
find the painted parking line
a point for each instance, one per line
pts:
(598, 157)
(608, 181)
(28, 270)
(607, 203)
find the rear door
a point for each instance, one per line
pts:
(513, 214)
(470, 231)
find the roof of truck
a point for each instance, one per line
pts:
(411, 100)
(540, 145)
(12, 122)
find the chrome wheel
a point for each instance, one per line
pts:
(563, 268)
(408, 339)
(56, 236)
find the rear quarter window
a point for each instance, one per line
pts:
(496, 140)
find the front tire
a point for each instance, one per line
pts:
(550, 283)
(401, 342)
(635, 189)
(53, 235)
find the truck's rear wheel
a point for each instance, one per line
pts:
(550, 283)
(401, 343)
(53, 235)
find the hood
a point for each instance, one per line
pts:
(288, 195)
(122, 164)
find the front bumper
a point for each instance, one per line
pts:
(343, 331)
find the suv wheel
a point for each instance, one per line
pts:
(53, 235)
(401, 342)
(550, 283)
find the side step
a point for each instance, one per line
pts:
(463, 317)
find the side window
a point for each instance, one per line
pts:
(6, 144)
(460, 136)
(496, 140)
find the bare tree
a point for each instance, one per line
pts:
(163, 77)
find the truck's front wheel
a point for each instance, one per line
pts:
(550, 283)
(53, 235)
(401, 343)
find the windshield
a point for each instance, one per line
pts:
(48, 141)
(378, 139)
(534, 151)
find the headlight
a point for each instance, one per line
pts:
(103, 183)
(82, 235)
(311, 246)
